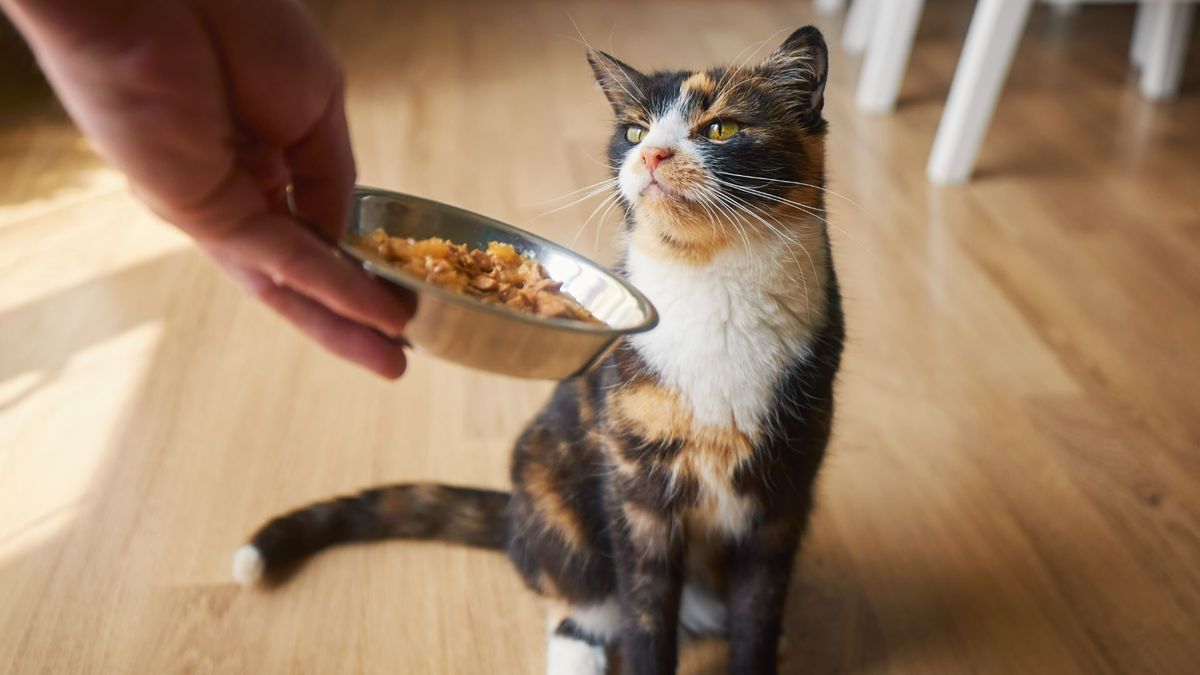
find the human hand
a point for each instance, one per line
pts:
(212, 108)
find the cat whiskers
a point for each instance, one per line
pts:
(706, 203)
(611, 167)
(591, 190)
(743, 206)
(710, 196)
(605, 204)
(792, 182)
(812, 211)
(604, 219)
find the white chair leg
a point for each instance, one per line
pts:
(1065, 7)
(859, 19)
(1141, 27)
(1165, 49)
(830, 6)
(992, 40)
(887, 55)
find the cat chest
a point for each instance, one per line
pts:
(696, 464)
(722, 344)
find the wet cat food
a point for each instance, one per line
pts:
(499, 275)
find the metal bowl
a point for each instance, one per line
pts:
(490, 337)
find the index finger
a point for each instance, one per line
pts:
(294, 257)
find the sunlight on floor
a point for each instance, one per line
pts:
(83, 184)
(41, 491)
(77, 242)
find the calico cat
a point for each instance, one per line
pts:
(665, 492)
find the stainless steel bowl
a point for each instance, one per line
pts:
(489, 337)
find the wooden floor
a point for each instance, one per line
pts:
(1014, 485)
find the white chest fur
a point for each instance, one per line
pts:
(727, 331)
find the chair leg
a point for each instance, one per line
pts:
(1141, 27)
(1166, 42)
(891, 42)
(859, 20)
(829, 6)
(1065, 7)
(992, 41)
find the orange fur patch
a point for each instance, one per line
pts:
(710, 461)
(649, 529)
(657, 414)
(543, 492)
(701, 83)
(652, 411)
(399, 503)
(721, 511)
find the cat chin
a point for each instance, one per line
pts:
(665, 202)
(656, 191)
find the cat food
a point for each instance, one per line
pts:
(500, 275)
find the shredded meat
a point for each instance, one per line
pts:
(498, 275)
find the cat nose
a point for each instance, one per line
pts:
(654, 156)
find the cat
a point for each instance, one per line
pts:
(665, 493)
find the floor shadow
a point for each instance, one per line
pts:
(43, 152)
(116, 293)
(830, 626)
(23, 88)
(913, 99)
(119, 294)
(43, 379)
(1025, 165)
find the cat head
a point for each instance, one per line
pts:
(706, 159)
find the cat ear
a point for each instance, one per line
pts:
(622, 84)
(802, 62)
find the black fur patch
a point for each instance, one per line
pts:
(571, 630)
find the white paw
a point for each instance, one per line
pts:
(567, 656)
(247, 565)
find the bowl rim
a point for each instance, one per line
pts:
(375, 265)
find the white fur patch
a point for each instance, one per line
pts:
(568, 656)
(669, 131)
(701, 612)
(565, 656)
(247, 565)
(726, 332)
(601, 620)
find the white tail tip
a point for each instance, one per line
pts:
(247, 565)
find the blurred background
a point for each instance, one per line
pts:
(1013, 481)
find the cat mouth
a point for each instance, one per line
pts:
(657, 190)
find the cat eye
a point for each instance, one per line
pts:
(722, 131)
(634, 134)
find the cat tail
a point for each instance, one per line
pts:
(409, 511)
